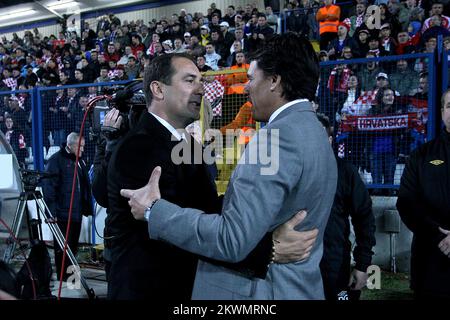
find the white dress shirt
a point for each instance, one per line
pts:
(284, 107)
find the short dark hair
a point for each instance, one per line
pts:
(161, 69)
(137, 37)
(291, 56)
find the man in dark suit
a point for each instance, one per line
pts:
(142, 268)
(57, 194)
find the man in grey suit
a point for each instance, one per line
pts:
(301, 174)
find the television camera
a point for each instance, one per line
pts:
(128, 99)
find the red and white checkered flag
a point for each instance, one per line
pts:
(214, 91)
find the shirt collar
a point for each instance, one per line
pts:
(169, 127)
(284, 107)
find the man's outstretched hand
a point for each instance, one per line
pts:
(142, 198)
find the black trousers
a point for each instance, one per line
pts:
(325, 39)
(72, 242)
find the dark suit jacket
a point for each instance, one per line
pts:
(143, 268)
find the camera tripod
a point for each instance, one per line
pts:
(30, 193)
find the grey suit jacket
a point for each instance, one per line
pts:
(261, 195)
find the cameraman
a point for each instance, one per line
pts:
(110, 136)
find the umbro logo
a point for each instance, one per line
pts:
(436, 162)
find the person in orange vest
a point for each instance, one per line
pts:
(236, 81)
(244, 121)
(328, 18)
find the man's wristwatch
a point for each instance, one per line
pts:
(148, 210)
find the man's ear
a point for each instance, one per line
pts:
(276, 83)
(156, 89)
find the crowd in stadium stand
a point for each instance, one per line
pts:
(118, 50)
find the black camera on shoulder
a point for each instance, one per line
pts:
(129, 100)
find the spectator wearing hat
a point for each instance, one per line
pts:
(387, 42)
(227, 36)
(186, 40)
(167, 46)
(368, 97)
(336, 46)
(132, 68)
(362, 41)
(204, 35)
(382, 80)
